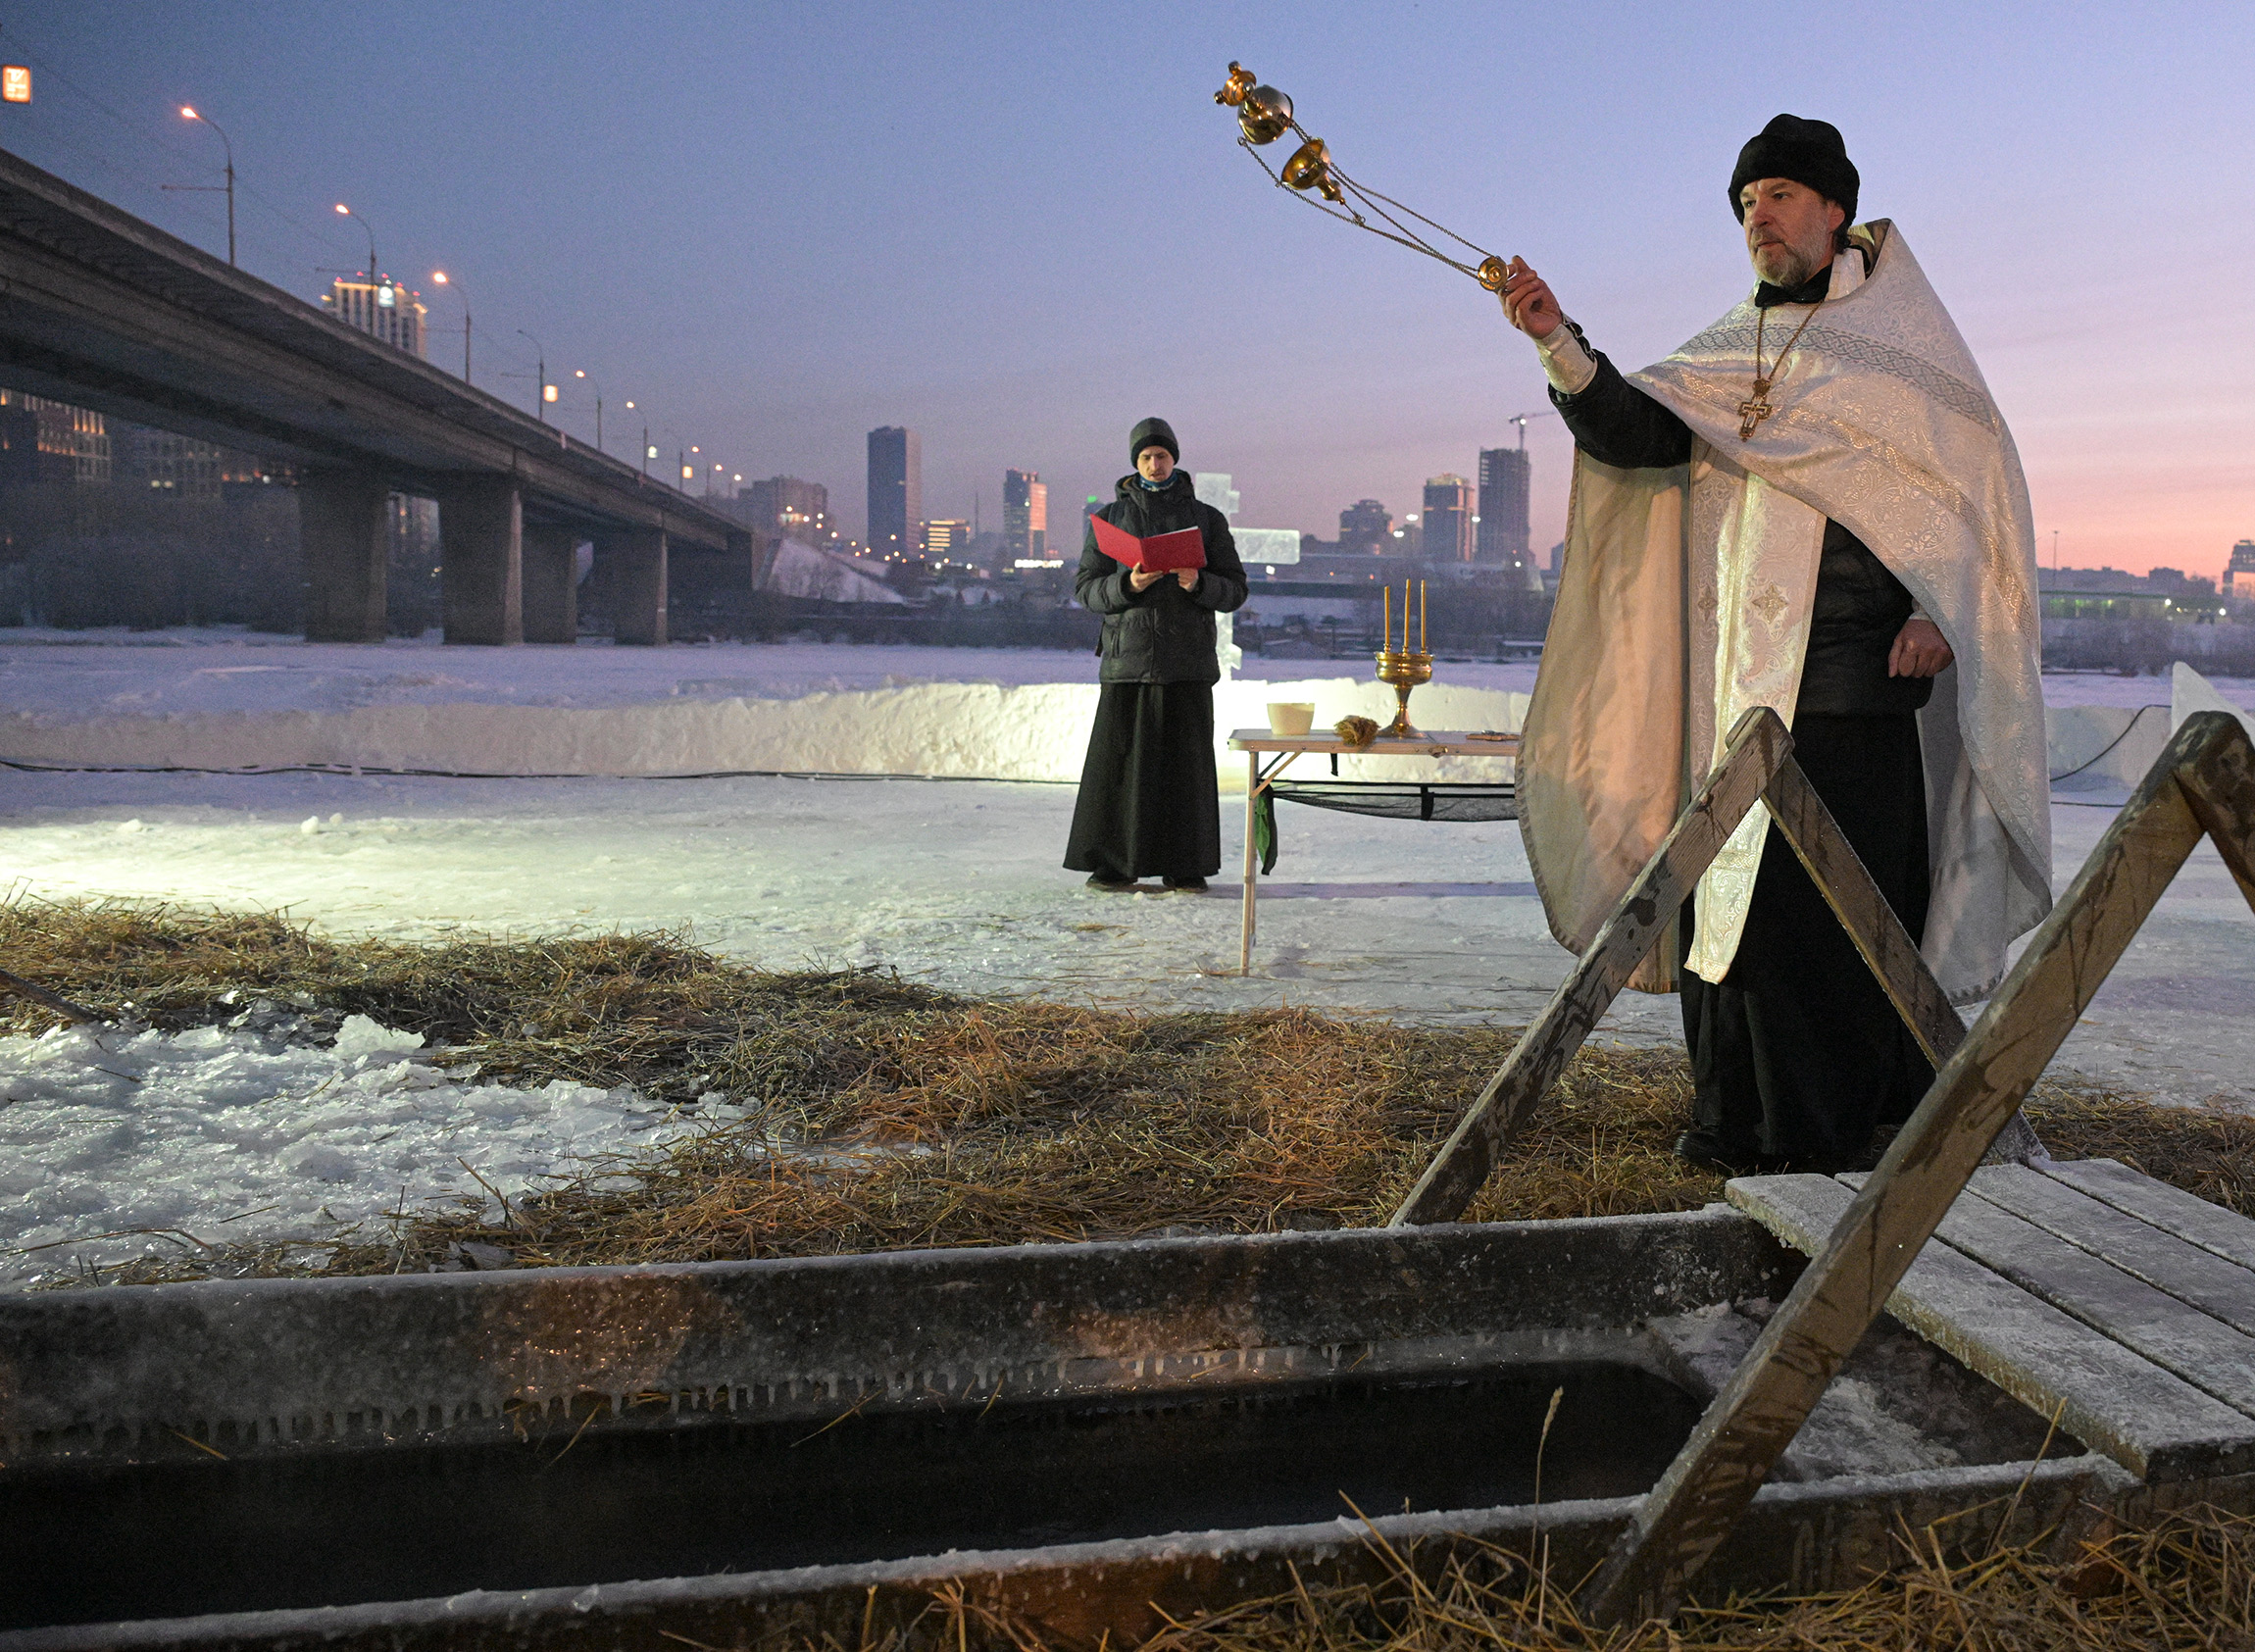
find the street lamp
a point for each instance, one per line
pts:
(445, 281)
(547, 391)
(187, 114)
(648, 452)
(345, 211)
(581, 373)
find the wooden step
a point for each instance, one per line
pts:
(2194, 1276)
(2110, 1397)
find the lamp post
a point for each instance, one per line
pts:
(543, 394)
(683, 470)
(648, 452)
(188, 114)
(581, 373)
(445, 281)
(345, 211)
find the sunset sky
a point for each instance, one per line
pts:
(1020, 227)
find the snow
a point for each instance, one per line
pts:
(594, 709)
(228, 1132)
(955, 882)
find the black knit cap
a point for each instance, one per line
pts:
(1153, 432)
(1808, 152)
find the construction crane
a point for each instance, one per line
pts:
(1521, 418)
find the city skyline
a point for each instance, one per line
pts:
(736, 266)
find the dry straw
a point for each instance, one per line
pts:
(884, 1115)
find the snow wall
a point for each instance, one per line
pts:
(1035, 731)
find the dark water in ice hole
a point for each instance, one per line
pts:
(182, 1538)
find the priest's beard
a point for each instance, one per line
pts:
(1787, 264)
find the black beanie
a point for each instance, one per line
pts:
(1808, 152)
(1153, 432)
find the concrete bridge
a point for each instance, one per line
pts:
(106, 312)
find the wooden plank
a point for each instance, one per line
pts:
(2198, 1277)
(2204, 1351)
(1846, 884)
(1457, 744)
(1758, 745)
(2114, 1400)
(2191, 1218)
(1732, 1450)
(2222, 792)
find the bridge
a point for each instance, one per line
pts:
(106, 312)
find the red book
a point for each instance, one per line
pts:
(1162, 553)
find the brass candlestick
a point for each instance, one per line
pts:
(1405, 670)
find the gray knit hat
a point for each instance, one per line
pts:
(1153, 432)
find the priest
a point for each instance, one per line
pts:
(1813, 505)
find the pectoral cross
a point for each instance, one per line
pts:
(1754, 410)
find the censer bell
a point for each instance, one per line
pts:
(1310, 167)
(1264, 114)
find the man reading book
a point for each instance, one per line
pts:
(1149, 804)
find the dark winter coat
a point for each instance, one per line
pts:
(1164, 635)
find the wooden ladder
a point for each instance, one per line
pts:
(2203, 785)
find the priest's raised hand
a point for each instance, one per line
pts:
(1527, 301)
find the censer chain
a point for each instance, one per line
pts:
(1407, 238)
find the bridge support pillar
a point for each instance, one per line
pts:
(345, 536)
(631, 563)
(481, 533)
(551, 584)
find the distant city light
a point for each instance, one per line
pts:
(15, 83)
(187, 114)
(439, 275)
(547, 392)
(581, 373)
(650, 452)
(688, 473)
(344, 210)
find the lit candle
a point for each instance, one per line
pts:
(1421, 644)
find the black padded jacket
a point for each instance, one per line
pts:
(1166, 633)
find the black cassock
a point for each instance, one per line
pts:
(1148, 806)
(1796, 1053)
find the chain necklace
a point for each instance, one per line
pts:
(1757, 408)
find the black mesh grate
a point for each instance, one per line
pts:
(1407, 800)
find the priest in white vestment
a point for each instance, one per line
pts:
(1815, 506)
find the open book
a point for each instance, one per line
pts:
(1162, 553)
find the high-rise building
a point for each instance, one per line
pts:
(69, 443)
(787, 508)
(1365, 525)
(1447, 526)
(1024, 516)
(947, 539)
(2239, 572)
(164, 463)
(895, 490)
(1503, 498)
(381, 307)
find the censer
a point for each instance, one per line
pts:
(1265, 115)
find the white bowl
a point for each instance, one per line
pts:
(1291, 717)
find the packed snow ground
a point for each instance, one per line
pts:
(953, 882)
(116, 1143)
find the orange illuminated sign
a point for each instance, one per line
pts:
(15, 83)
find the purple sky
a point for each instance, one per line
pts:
(1020, 227)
